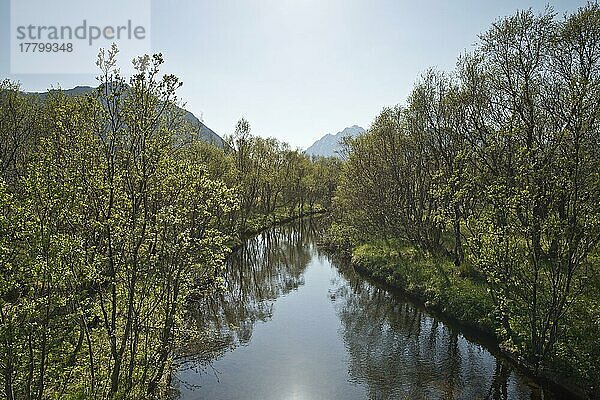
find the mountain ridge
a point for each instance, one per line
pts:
(204, 132)
(330, 144)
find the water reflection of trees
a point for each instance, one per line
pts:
(394, 349)
(397, 351)
(266, 267)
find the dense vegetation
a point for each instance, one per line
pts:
(112, 213)
(482, 193)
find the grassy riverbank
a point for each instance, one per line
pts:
(461, 295)
(436, 282)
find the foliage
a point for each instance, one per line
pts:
(435, 282)
(496, 166)
(112, 214)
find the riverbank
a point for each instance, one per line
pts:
(257, 224)
(261, 223)
(456, 293)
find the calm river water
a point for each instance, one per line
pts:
(294, 324)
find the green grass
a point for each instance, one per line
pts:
(436, 282)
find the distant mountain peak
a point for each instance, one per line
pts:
(330, 145)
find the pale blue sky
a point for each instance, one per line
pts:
(298, 69)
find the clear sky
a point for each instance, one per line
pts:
(298, 69)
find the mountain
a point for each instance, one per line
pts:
(204, 132)
(330, 145)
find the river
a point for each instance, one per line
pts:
(292, 323)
